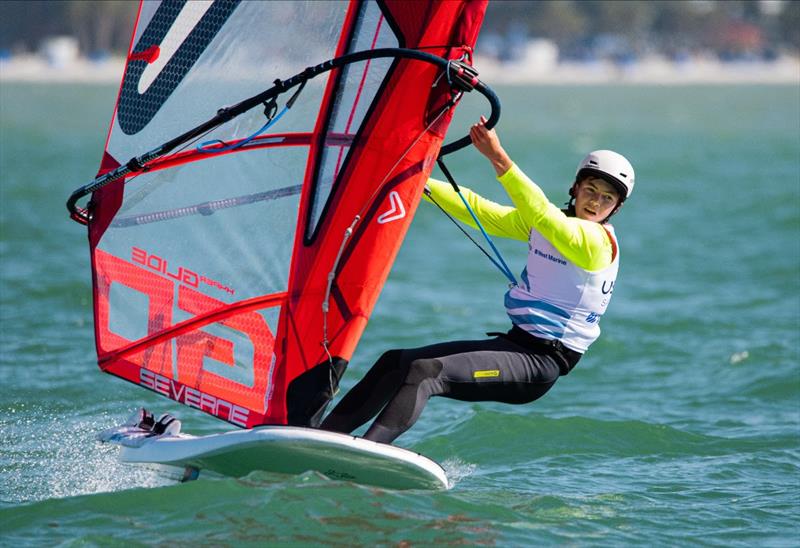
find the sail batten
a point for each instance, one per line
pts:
(211, 252)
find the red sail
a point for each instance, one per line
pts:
(237, 276)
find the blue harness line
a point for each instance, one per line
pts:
(497, 260)
(269, 111)
(204, 147)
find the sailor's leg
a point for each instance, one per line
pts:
(381, 383)
(422, 381)
(368, 396)
(497, 373)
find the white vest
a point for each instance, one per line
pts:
(558, 300)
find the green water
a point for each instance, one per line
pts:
(681, 426)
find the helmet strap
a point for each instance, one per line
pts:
(619, 205)
(604, 221)
(570, 209)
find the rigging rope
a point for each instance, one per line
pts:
(498, 260)
(207, 145)
(429, 194)
(270, 107)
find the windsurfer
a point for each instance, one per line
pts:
(555, 310)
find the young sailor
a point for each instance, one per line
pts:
(555, 310)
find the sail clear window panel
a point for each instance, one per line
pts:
(242, 62)
(128, 312)
(228, 252)
(357, 89)
(241, 372)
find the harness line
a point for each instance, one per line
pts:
(497, 260)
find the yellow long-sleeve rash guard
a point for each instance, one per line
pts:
(584, 243)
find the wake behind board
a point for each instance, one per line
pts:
(284, 450)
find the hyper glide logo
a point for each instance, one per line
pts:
(173, 41)
(181, 274)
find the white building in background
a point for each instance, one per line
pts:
(60, 51)
(534, 60)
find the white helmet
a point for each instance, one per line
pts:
(611, 167)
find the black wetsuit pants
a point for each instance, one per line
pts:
(510, 368)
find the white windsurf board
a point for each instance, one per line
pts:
(283, 450)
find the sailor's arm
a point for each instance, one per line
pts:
(498, 220)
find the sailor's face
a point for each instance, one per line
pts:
(595, 199)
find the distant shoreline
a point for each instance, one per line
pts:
(653, 71)
(34, 69)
